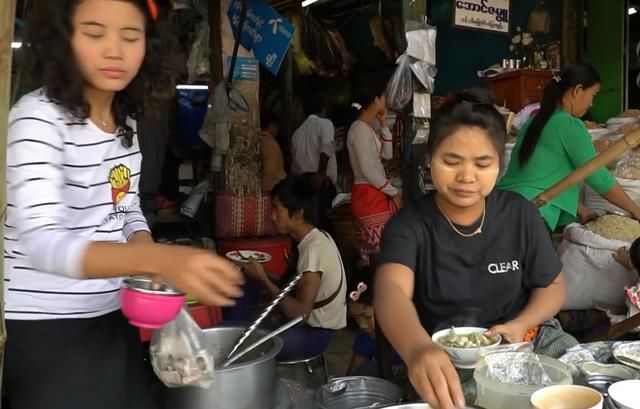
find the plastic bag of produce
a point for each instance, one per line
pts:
(629, 166)
(594, 201)
(592, 274)
(179, 356)
(400, 87)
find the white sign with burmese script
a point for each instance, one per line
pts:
(489, 15)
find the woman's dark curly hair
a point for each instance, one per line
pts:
(49, 33)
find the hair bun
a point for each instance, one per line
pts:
(476, 96)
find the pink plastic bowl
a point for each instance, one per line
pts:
(147, 308)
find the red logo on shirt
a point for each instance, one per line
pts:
(119, 179)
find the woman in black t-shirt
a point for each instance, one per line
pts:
(465, 255)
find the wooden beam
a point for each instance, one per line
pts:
(215, 42)
(617, 330)
(7, 17)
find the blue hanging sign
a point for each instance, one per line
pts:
(265, 32)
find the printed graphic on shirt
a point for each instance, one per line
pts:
(119, 178)
(504, 267)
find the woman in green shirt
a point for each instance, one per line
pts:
(555, 142)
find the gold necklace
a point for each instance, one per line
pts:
(474, 233)
(102, 121)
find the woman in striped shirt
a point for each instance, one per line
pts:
(73, 225)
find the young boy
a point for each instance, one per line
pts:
(321, 293)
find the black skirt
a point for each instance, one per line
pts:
(93, 363)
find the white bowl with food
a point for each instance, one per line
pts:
(464, 344)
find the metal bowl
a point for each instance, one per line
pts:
(145, 284)
(628, 354)
(357, 392)
(617, 371)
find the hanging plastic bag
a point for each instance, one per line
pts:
(425, 73)
(179, 356)
(400, 87)
(192, 204)
(421, 105)
(198, 63)
(421, 40)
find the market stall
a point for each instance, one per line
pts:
(199, 360)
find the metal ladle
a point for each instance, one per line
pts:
(262, 340)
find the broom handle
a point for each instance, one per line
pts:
(614, 151)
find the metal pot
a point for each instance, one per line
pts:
(247, 384)
(357, 392)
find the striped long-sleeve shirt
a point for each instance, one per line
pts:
(68, 184)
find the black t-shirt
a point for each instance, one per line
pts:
(481, 280)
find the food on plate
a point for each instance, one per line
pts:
(251, 256)
(614, 227)
(248, 256)
(592, 125)
(626, 128)
(473, 340)
(257, 257)
(630, 113)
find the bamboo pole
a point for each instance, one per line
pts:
(7, 16)
(627, 142)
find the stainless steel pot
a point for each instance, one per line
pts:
(357, 392)
(249, 383)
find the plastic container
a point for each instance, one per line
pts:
(495, 395)
(147, 307)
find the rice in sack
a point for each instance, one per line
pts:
(593, 276)
(614, 227)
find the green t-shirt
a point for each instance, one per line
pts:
(565, 144)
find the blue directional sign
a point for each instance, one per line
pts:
(265, 32)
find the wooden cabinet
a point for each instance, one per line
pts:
(516, 89)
